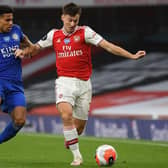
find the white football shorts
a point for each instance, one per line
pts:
(75, 91)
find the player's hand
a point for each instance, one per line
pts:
(19, 53)
(139, 54)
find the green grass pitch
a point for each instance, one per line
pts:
(47, 151)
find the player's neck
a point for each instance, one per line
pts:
(67, 33)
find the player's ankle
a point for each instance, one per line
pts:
(76, 153)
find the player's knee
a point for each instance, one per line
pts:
(66, 116)
(19, 121)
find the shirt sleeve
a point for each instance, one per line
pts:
(47, 40)
(21, 34)
(92, 37)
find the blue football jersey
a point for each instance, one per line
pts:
(10, 67)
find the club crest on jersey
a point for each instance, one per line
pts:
(76, 39)
(60, 95)
(6, 39)
(67, 41)
(15, 37)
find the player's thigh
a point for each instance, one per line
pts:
(65, 109)
(82, 106)
(17, 107)
(15, 102)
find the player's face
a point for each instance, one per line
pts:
(70, 22)
(6, 22)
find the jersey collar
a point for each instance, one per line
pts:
(69, 34)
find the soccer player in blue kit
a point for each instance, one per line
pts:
(12, 98)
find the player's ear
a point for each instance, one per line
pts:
(62, 17)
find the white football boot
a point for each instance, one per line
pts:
(77, 161)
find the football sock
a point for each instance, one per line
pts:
(71, 137)
(9, 132)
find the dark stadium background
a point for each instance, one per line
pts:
(133, 28)
(137, 86)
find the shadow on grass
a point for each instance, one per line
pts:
(35, 164)
(38, 164)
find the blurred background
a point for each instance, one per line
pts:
(130, 98)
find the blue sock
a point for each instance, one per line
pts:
(9, 132)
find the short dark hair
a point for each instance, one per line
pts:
(5, 9)
(71, 9)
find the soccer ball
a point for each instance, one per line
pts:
(106, 155)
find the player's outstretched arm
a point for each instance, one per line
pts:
(29, 51)
(116, 50)
(25, 42)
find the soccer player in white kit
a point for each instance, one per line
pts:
(72, 45)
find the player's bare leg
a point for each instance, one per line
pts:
(18, 120)
(70, 131)
(19, 116)
(80, 125)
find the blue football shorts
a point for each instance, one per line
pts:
(12, 95)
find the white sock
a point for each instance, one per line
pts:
(71, 136)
